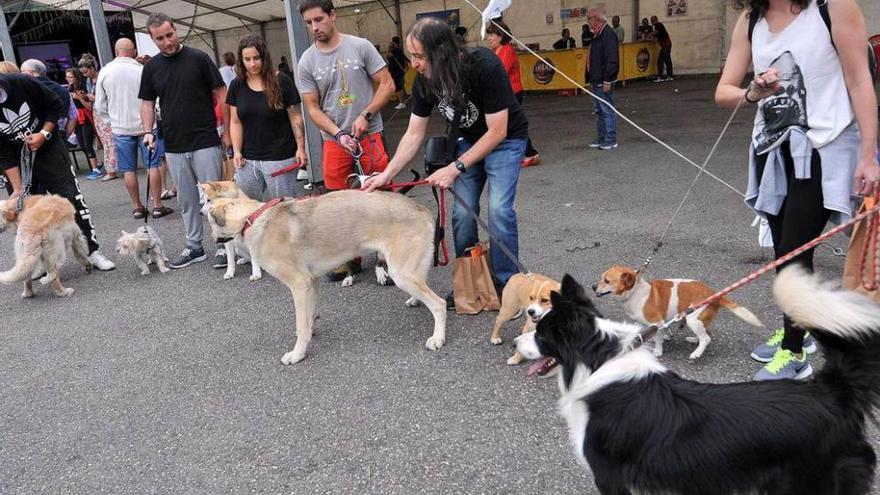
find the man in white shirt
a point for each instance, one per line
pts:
(116, 100)
(227, 72)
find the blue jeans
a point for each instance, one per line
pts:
(606, 119)
(127, 148)
(501, 169)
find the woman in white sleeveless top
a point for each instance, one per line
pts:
(814, 144)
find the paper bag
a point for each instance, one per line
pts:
(855, 274)
(472, 283)
(228, 172)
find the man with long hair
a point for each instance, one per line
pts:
(335, 77)
(188, 83)
(492, 127)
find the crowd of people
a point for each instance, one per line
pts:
(250, 109)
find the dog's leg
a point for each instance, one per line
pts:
(160, 259)
(305, 295)
(256, 271)
(142, 263)
(81, 252)
(417, 288)
(517, 358)
(506, 314)
(28, 291)
(658, 342)
(382, 277)
(696, 323)
(59, 289)
(230, 261)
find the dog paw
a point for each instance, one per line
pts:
(228, 275)
(435, 343)
(164, 269)
(27, 294)
(382, 277)
(254, 278)
(412, 302)
(692, 340)
(66, 292)
(514, 360)
(657, 352)
(348, 281)
(495, 340)
(145, 272)
(292, 357)
(242, 261)
(667, 336)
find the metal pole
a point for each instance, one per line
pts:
(5, 39)
(399, 20)
(99, 29)
(216, 48)
(298, 37)
(635, 20)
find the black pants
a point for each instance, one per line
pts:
(800, 220)
(85, 136)
(530, 150)
(53, 172)
(665, 58)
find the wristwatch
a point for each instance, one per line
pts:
(367, 115)
(460, 165)
(46, 135)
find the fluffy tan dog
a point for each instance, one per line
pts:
(46, 227)
(299, 240)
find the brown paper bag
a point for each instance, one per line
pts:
(852, 269)
(228, 172)
(472, 283)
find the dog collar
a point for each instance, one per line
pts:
(255, 215)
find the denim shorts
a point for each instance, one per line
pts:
(127, 148)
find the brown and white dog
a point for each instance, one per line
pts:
(529, 293)
(297, 241)
(214, 190)
(46, 227)
(659, 300)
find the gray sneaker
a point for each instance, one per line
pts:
(608, 146)
(187, 257)
(220, 258)
(764, 352)
(785, 365)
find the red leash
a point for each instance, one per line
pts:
(290, 168)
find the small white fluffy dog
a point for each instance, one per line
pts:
(145, 247)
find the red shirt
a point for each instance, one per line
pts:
(511, 64)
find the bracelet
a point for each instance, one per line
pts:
(748, 90)
(460, 165)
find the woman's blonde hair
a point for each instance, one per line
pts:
(7, 67)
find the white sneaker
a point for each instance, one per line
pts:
(302, 174)
(400, 106)
(101, 262)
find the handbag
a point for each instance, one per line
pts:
(862, 264)
(472, 284)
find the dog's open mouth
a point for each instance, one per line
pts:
(542, 366)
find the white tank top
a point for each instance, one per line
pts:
(814, 94)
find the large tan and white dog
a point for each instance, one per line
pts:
(211, 191)
(297, 241)
(46, 227)
(659, 300)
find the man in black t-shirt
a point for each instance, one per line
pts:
(397, 65)
(189, 84)
(665, 57)
(29, 117)
(565, 42)
(493, 131)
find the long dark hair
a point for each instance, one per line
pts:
(268, 73)
(447, 59)
(761, 5)
(78, 81)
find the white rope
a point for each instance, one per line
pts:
(622, 116)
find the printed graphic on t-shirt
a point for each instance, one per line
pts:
(468, 118)
(785, 109)
(346, 97)
(18, 123)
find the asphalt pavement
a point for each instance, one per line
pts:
(172, 383)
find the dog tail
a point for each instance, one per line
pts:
(846, 325)
(24, 267)
(740, 311)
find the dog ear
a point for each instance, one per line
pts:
(572, 290)
(555, 299)
(219, 215)
(628, 279)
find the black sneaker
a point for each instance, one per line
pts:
(450, 300)
(220, 258)
(187, 257)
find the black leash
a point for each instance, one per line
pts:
(147, 193)
(26, 161)
(496, 241)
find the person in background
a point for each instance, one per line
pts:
(227, 72)
(187, 82)
(618, 29)
(814, 142)
(646, 30)
(461, 34)
(7, 67)
(37, 69)
(116, 101)
(85, 127)
(397, 65)
(603, 69)
(493, 133)
(266, 126)
(665, 57)
(89, 68)
(586, 35)
(499, 42)
(284, 67)
(565, 42)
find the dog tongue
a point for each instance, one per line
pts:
(537, 366)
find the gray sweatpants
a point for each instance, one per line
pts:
(256, 181)
(188, 169)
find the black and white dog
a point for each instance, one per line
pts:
(645, 430)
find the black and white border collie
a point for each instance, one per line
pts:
(644, 430)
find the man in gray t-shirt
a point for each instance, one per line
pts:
(335, 77)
